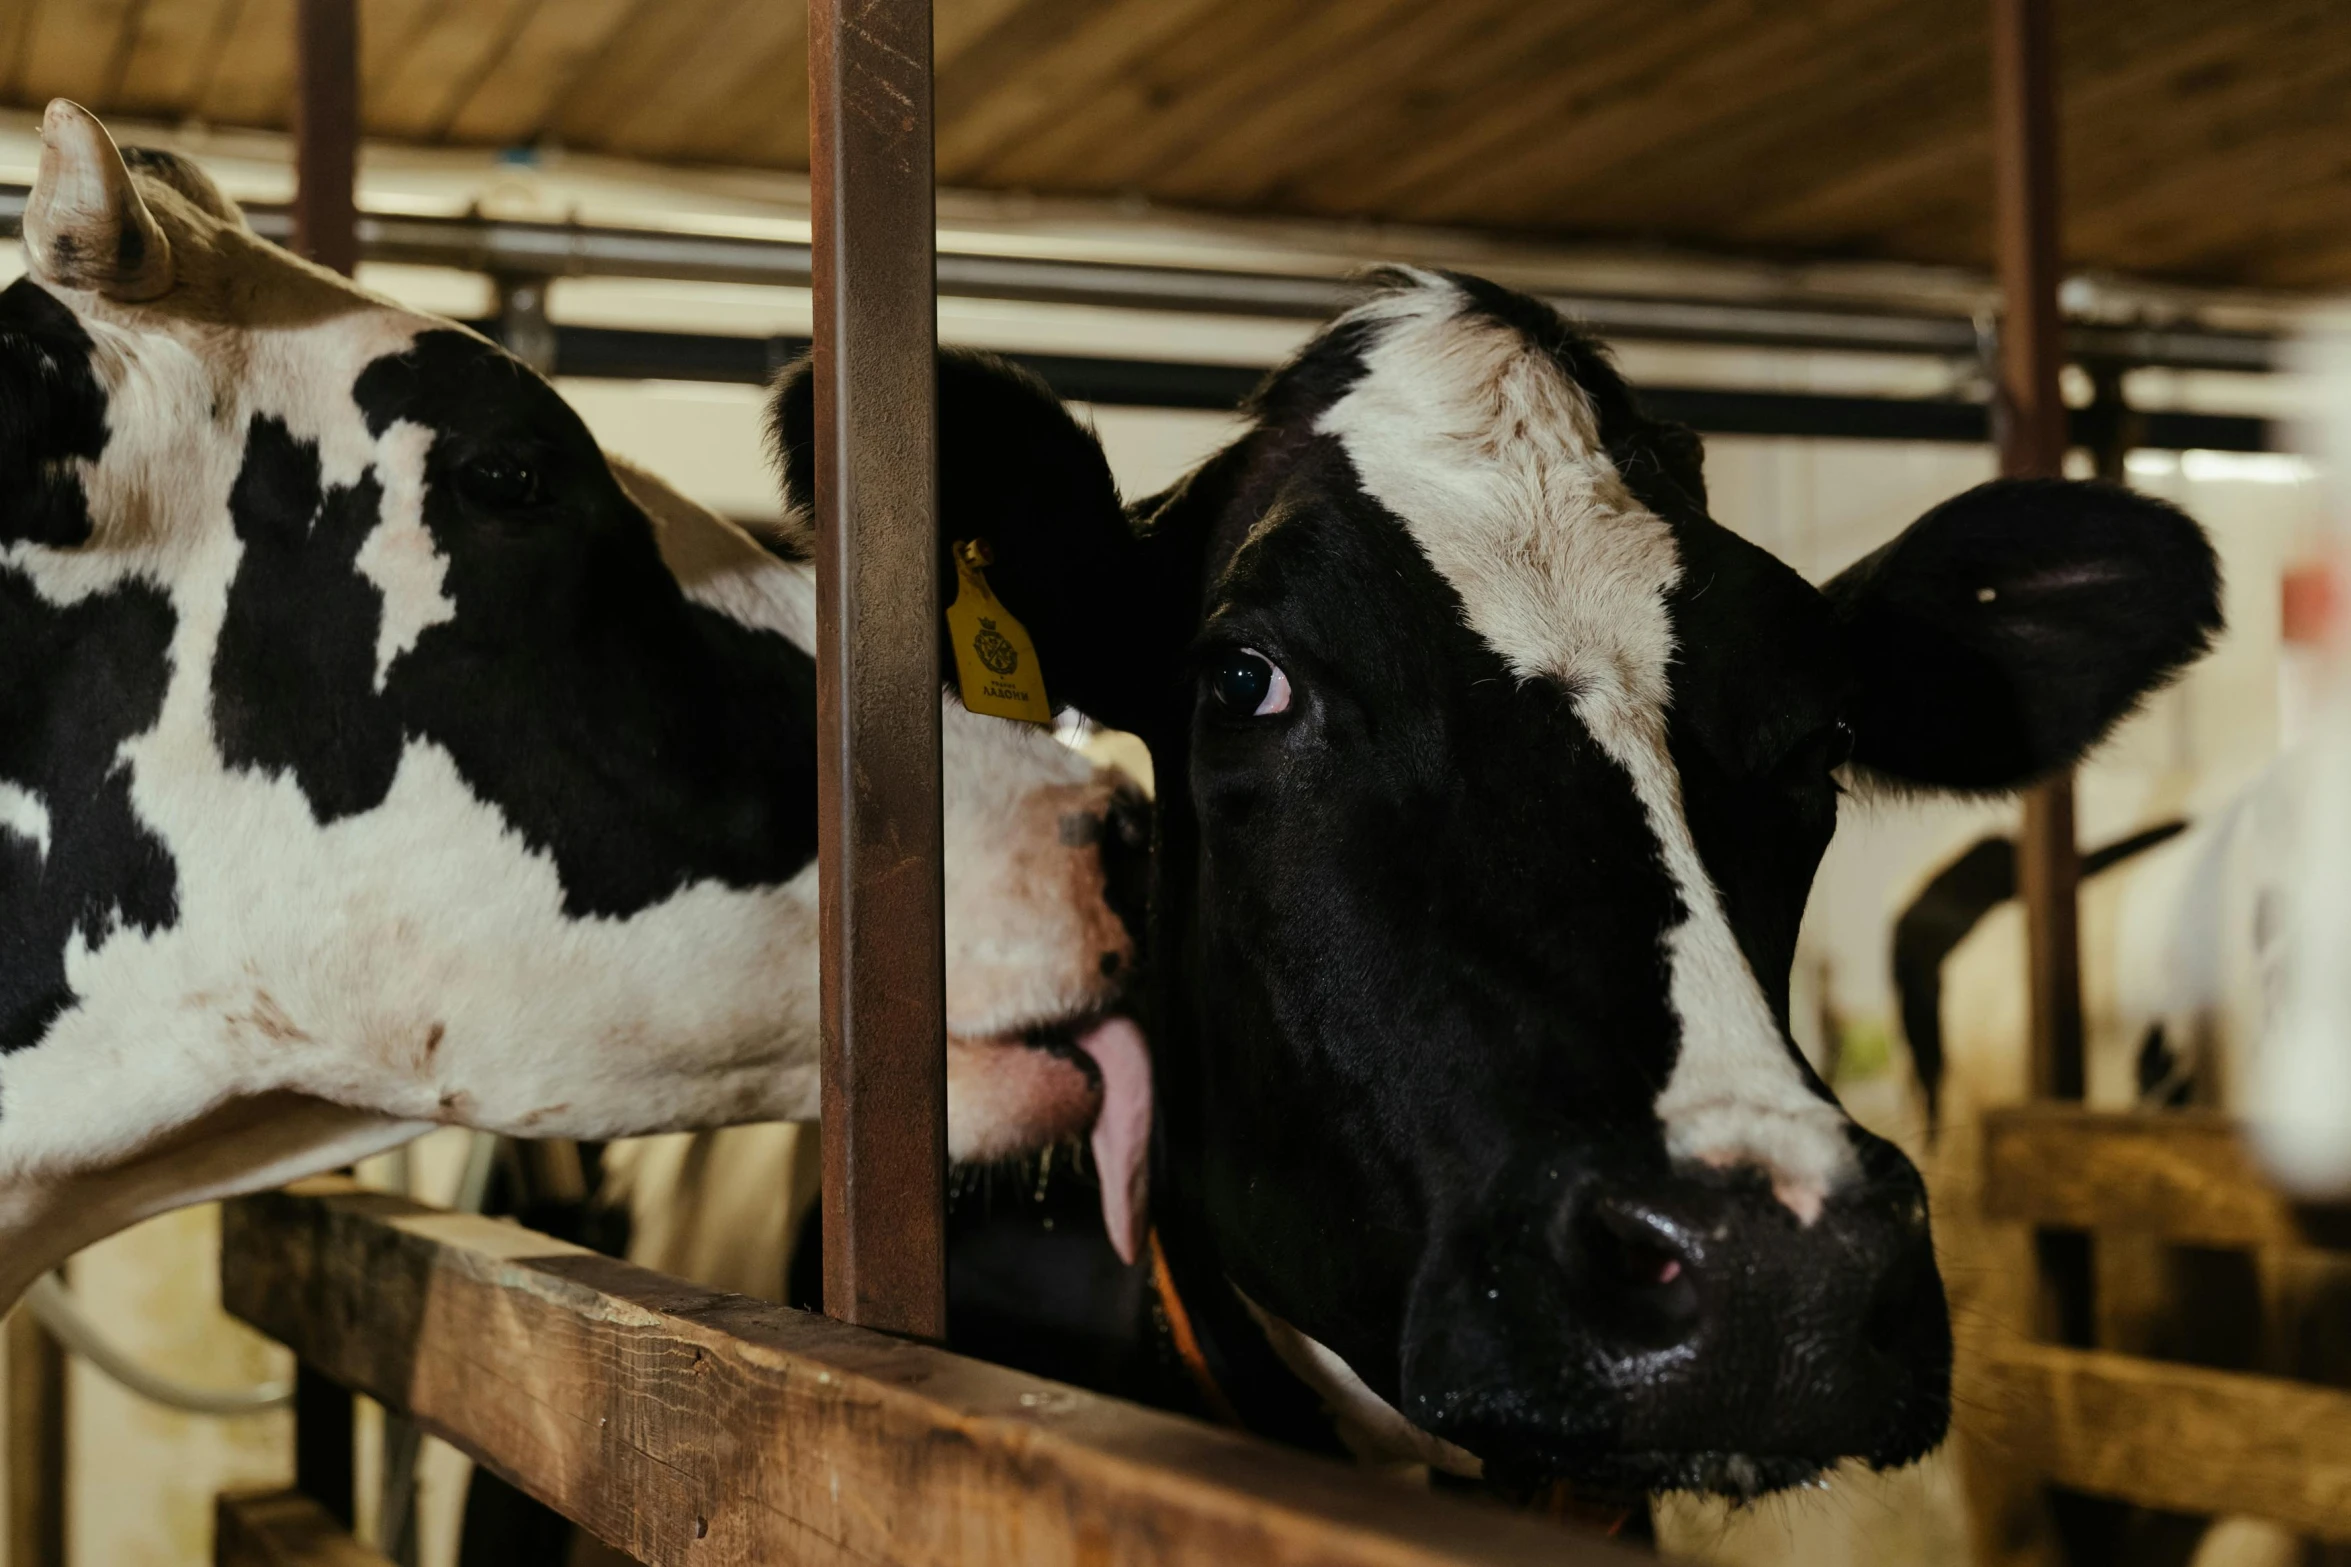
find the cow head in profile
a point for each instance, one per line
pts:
(1493, 775)
(374, 755)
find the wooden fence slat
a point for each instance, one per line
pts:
(2184, 1175)
(283, 1529)
(2175, 1437)
(685, 1426)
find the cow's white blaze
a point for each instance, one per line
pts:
(23, 813)
(1491, 456)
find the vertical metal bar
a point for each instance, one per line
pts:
(36, 1443)
(2032, 432)
(881, 926)
(326, 229)
(326, 133)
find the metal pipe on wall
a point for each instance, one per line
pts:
(881, 920)
(509, 248)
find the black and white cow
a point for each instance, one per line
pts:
(373, 755)
(1492, 776)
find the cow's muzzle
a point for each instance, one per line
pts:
(1684, 1330)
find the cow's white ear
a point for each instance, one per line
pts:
(85, 225)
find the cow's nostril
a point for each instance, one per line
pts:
(1637, 1271)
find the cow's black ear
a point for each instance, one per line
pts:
(1019, 472)
(2004, 633)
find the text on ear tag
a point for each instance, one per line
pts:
(995, 662)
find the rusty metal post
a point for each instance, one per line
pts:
(326, 133)
(326, 230)
(881, 926)
(2031, 421)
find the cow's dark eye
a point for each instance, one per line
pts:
(1247, 684)
(498, 480)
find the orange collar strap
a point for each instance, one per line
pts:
(1187, 1342)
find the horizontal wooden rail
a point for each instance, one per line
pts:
(2175, 1437)
(2184, 1175)
(684, 1426)
(283, 1529)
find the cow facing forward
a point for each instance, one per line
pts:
(1492, 777)
(373, 757)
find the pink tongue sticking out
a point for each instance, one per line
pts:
(1122, 1128)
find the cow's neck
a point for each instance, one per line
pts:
(246, 1145)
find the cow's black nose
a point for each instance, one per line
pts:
(1790, 1336)
(1689, 1328)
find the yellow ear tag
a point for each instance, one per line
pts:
(995, 662)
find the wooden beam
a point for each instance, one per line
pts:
(881, 921)
(689, 1427)
(283, 1529)
(2183, 1175)
(2174, 1437)
(36, 1443)
(326, 133)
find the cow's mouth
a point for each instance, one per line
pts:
(1058, 1080)
(1606, 1487)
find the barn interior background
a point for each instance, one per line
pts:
(1782, 206)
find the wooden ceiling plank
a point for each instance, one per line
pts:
(74, 47)
(1133, 126)
(1836, 208)
(637, 62)
(436, 72)
(1257, 155)
(514, 100)
(1588, 56)
(765, 118)
(732, 58)
(252, 80)
(16, 35)
(1875, 102)
(956, 25)
(1025, 71)
(170, 52)
(388, 30)
(1564, 148)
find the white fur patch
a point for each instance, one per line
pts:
(1491, 456)
(22, 813)
(399, 556)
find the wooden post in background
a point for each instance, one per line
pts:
(326, 133)
(881, 926)
(2031, 422)
(2033, 1286)
(36, 1443)
(326, 230)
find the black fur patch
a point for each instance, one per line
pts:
(640, 740)
(76, 682)
(52, 413)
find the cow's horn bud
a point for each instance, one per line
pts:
(85, 226)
